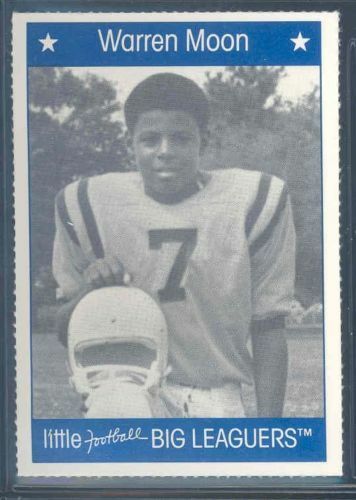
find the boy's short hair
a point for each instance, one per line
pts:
(167, 91)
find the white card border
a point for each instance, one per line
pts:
(330, 147)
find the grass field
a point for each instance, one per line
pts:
(54, 397)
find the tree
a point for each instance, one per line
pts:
(244, 102)
(300, 150)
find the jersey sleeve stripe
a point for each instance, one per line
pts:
(278, 322)
(258, 204)
(265, 235)
(89, 219)
(64, 217)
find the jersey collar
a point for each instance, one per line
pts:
(187, 192)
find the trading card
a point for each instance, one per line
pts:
(176, 187)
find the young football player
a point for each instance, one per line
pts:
(215, 250)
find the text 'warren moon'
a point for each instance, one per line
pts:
(199, 41)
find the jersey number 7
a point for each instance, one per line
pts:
(172, 290)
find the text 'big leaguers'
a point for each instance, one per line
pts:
(215, 250)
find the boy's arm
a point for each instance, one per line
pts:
(75, 274)
(270, 361)
(68, 259)
(272, 251)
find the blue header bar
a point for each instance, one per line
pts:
(174, 44)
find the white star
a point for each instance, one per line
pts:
(299, 42)
(47, 43)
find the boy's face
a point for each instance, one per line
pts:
(167, 147)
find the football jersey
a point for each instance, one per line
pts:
(219, 263)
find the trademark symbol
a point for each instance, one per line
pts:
(304, 432)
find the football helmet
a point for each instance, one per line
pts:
(117, 339)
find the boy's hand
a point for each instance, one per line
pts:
(106, 272)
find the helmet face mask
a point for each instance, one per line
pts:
(114, 351)
(116, 333)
